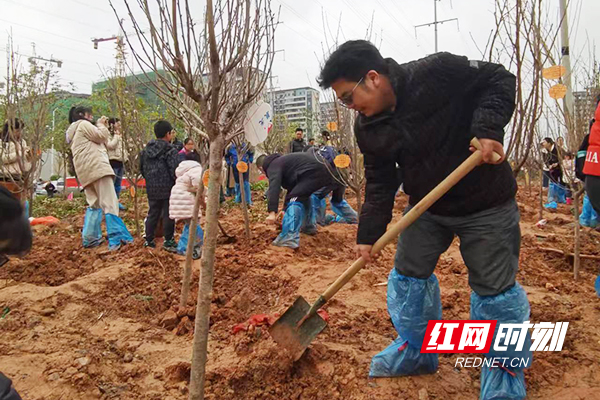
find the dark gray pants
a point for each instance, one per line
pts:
(489, 243)
(592, 187)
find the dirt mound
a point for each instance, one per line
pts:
(118, 332)
(56, 259)
(147, 289)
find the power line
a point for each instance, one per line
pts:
(402, 12)
(91, 6)
(71, 49)
(368, 24)
(466, 42)
(46, 32)
(46, 13)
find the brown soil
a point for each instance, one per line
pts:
(85, 324)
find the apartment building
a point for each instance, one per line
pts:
(300, 106)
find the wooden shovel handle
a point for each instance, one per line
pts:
(391, 234)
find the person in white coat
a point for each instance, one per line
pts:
(16, 158)
(90, 159)
(181, 203)
(117, 154)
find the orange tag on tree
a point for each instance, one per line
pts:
(342, 161)
(558, 91)
(554, 72)
(242, 167)
(205, 178)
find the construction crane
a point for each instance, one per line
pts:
(35, 57)
(120, 38)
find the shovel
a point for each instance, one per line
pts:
(300, 324)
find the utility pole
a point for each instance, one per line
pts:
(435, 23)
(52, 151)
(566, 62)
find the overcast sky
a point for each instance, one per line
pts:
(63, 29)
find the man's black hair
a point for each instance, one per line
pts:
(548, 140)
(299, 129)
(162, 128)
(260, 161)
(351, 62)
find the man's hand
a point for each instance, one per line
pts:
(364, 251)
(488, 147)
(272, 218)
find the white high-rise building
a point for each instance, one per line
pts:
(301, 108)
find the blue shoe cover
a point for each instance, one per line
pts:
(551, 205)
(92, 228)
(510, 307)
(292, 221)
(553, 195)
(500, 384)
(309, 222)
(184, 238)
(247, 193)
(597, 285)
(400, 359)
(561, 194)
(319, 206)
(412, 302)
(588, 216)
(238, 193)
(345, 212)
(117, 232)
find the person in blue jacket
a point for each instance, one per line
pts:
(232, 159)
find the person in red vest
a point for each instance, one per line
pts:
(591, 167)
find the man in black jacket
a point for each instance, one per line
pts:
(301, 174)
(420, 117)
(15, 232)
(298, 144)
(7, 391)
(158, 163)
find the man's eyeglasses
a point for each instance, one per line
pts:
(348, 99)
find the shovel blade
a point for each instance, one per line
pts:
(286, 332)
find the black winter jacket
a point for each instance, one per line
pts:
(287, 171)
(158, 163)
(7, 392)
(580, 159)
(443, 101)
(15, 231)
(297, 146)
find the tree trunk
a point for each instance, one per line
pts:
(136, 210)
(541, 214)
(65, 176)
(577, 250)
(187, 271)
(358, 199)
(201, 326)
(244, 205)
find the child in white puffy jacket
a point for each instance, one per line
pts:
(181, 203)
